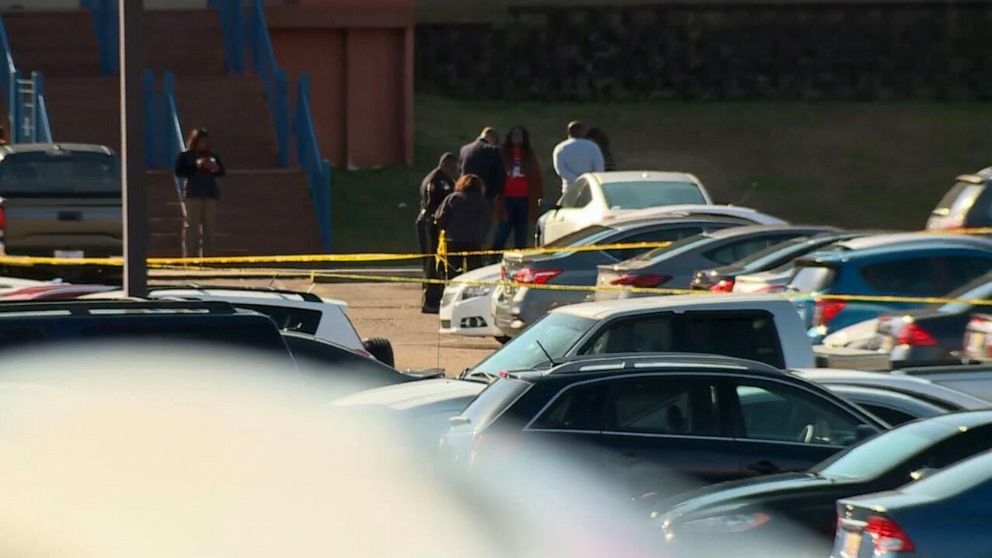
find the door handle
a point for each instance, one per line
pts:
(763, 467)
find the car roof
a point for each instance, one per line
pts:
(643, 175)
(695, 210)
(674, 219)
(890, 381)
(598, 310)
(640, 363)
(11, 149)
(911, 241)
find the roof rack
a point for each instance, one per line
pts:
(304, 296)
(86, 307)
(642, 361)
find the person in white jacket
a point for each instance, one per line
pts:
(576, 156)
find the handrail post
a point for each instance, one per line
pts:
(324, 205)
(281, 117)
(151, 123)
(16, 133)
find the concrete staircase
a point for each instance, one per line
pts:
(264, 209)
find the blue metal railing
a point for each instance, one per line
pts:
(42, 126)
(106, 24)
(163, 133)
(308, 154)
(8, 80)
(27, 108)
(274, 80)
(232, 24)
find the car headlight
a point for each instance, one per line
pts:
(476, 291)
(730, 523)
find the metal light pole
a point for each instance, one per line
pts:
(133, 148)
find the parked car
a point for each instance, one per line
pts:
(773, 281)
(347, 368)
(931, 336)
(907, 265)
(967, 204)
(722, 279)
(973, 380)
(598, 195)
(760, 328)
(648, 420)
(62, 200)
(302, 312)
(933, 396)
(467, 307)
(673, 267)
(942, 515)
(794, 514)
(751, 215)
(518, 305)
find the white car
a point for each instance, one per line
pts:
(467, 308)
(600, 195)
(325, 319)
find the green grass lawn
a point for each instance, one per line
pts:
(877, 165)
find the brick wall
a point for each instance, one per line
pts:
(734, 50)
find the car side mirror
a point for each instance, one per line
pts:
(922, 473)
(864, 431)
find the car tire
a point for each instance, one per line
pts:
(381, 349)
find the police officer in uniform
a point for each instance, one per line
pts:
(435, 187)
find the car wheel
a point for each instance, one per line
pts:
(381, 349)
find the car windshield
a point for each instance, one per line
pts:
(977, 290)
(557, 332)
(583, 237)
(959, 199)
(651, 193)
(60, 173)
(876, 456)
(674, 248)
(773, 254)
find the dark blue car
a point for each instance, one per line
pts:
(945, 515)
(899, 265)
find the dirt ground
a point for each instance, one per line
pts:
(393, 311)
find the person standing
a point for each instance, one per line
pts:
(576, 156)
(483, 158)
(517, 206)
(199, 167)
(464, 218)
(433, 189)
(599, 137)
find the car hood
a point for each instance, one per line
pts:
(427, 396)
(730, 495)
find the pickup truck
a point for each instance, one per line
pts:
(760, 328)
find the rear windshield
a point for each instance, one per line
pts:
(980, 289)
(639, 195)
(882, 453)
(583, 237)
(677, 247)
(57, 172)
(812, 279)
(959, 199)
(493, 400)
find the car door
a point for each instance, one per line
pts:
(782, 426)
(570, 215)
(666, 433)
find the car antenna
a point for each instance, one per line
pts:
(546, 353)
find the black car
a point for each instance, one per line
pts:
(662, 422)
(341, 363)
(795, 514)
(721, 279)
(931, 336)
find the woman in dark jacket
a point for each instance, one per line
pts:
(516, 206)
(464, 217)
(199, 167)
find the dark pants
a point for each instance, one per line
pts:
(427, 238)
(517, 212)
(463, 264)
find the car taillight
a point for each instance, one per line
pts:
(887, 536)
(723, 286)
(824, 311)
(914, 335)
(535, 276)
(640, 281)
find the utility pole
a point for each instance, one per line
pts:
(133, 148)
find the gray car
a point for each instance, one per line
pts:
(518, 305)
(673, 267)
(62, 200)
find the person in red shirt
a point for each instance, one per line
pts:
(516, 207)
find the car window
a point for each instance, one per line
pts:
(556, 333)
(670, 234)
(287, 318)
(583, 237)
(662, 405)
(961, 270)
(654, 334)
(60, 171)
(584, 195)
(812, 279)
(578, 407)
(890, 415)
(931, 276)
(777, 412)
(959, 199)
(644, 194)
(979, 289)
(740, 334)
(738, 250)
(570, 197)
